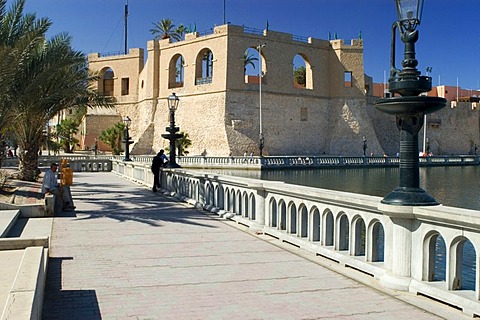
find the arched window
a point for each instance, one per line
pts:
(107, 83)
(204, 67)
(175, 72)
(252, 59)
(302, 72)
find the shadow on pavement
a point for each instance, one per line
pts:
(67, 304)
(131, 203)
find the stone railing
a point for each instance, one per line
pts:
(399, 246)
(103, 163)
(282, 162)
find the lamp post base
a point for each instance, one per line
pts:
(172, 165)
(404, 196)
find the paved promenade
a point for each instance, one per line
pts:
(127, 253)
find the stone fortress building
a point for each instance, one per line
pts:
(220, 102)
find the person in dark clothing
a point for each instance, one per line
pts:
(158, 161)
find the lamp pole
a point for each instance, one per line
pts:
(410, 107)
(364, 146)
(127, 121)
(172, 134)
(260, 76)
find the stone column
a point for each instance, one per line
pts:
(259, 203)
(399, 246)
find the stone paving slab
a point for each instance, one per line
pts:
(127, 253)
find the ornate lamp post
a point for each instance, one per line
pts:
(408, 108)
(127, 139)
(172, 134)
(364, 146)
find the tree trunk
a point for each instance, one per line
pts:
(28, 162)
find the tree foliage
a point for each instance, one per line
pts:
(66, 131)
(165, 29)
(38, 78)
(248, 59)
(113, 137)
(300, 76)
(182, 144)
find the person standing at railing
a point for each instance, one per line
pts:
(160, 160)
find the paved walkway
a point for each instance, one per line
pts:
(127, 253)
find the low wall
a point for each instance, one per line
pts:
(398, 246)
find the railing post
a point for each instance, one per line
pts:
(201, 190)
(260, 211)
(398, 247)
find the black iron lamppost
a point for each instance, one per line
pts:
(408, 108)
(127, 121)
(172, 134)
(364, 146)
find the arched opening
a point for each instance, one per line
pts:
(292, 226)
(238, 201)
(176, 72)
(251, 62)
(359, 237)
(329, 230)
(226, 201)
(107, 83)
(315, 225)
(250, 65)
(220, 197)
(252, 207)
(302, 72)
(435, 262)
(283, 215)
(231, 205)
(204, 67)
(245, 205)
(462, 265)
(378, 242)
(303, 221)
(273, 213)
(343, 232)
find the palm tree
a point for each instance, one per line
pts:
(113, 137)
(248, 59)
(66, 131)
(163, 29)
(39, 78)
(183, 144)
(179, 32)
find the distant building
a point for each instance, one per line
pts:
(327, 111)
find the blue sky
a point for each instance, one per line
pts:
(449, 33)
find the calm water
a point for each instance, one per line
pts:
(450, 186)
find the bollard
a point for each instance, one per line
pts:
(67, 177)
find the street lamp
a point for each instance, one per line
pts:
(409, 108)
(172, 134)
(95, 147)
(260, 76)
(364, 146)
(127, 121)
